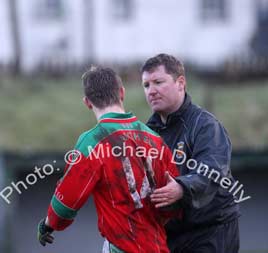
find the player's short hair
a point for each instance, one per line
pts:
(101, 86)
(172, 65)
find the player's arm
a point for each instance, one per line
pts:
(71, 193)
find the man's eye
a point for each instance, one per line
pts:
(146, 85)
(158, 82)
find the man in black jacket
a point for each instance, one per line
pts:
(202, 150)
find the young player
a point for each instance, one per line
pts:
(120, 162)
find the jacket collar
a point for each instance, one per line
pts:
(156, 122)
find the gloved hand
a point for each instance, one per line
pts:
(44, 233)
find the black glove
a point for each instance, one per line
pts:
(44, 233)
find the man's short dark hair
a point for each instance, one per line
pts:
(172, 65)
(101, 86)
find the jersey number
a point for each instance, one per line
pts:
(148, 183)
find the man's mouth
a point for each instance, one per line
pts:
(154, 100)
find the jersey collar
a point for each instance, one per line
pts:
(115, 117)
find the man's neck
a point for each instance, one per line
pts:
(163, 117)
(113, 108)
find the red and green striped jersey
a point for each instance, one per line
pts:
(120, 162)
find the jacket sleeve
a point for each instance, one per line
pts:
(72, 191)
(210, 161)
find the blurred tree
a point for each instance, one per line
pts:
(15, 33)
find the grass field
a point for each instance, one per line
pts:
(41, 114)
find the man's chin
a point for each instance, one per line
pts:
(156, 109)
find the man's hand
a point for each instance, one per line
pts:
(168, 194)
(44, 233)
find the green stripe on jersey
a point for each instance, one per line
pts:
(62, 210)
(114, 249)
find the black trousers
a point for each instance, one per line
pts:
(223, 238)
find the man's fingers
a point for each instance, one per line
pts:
(162, 204)
(162, 190)
(159, 194)
(166, 195)
(159, 190)
(160, 199)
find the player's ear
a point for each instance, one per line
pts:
(122, 93)
(87, 103)
(181, 83)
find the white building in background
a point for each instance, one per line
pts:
(203, 32)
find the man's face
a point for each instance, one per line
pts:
(164, 94)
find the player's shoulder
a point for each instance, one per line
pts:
(87, 139)
(145, 128)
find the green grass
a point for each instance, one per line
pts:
(42, 114)
(244, 113)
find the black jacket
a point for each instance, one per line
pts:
(202, 138)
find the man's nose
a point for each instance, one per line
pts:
(152, 90)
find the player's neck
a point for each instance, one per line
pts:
(112, 108)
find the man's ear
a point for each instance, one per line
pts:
(122, 93)
(88, 103)
(181, 83)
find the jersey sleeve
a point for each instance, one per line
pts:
(72, 191)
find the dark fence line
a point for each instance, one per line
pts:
(61, 69)
(238, 68)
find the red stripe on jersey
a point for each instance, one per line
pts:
(113, 120)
